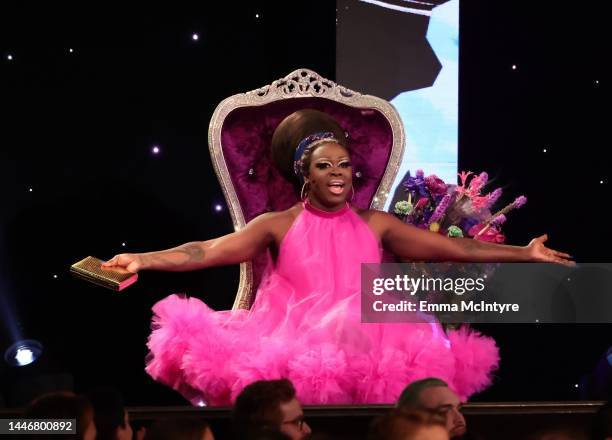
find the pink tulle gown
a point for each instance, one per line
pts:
(305, 326)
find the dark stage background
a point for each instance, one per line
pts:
(78, 176)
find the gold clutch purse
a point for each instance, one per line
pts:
(90, 270)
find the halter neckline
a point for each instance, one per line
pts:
(321, 213)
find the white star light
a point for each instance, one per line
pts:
(71, 50)
(30, 189)
(123, 244)
(601, 182)
(514, 67)
(195, 37)
(55, 276)
(544, 150)
(218, 207)
(155, 149)
(9, 57)
(256, 15)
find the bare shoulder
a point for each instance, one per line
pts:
(373, 215)
(277, 223)
(378, 221)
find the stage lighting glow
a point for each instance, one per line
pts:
(155, 149)
(9, 57)
(218, 208)
(24, 356)
(23, 353)
(195, 37)
(514, 67)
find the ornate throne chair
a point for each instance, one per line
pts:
(239, 138)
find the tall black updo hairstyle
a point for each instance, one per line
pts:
(292, 130)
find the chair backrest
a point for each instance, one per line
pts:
(239, 139)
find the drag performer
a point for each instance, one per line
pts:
(304, 324)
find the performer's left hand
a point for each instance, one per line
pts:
(537, 251)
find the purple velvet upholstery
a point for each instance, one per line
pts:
(245, 140)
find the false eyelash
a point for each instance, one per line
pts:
(321, 165)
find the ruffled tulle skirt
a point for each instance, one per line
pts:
(320, 345)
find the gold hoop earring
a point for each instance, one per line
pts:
(302, 195)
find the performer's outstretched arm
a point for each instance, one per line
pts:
(233, 248)
(411, 243)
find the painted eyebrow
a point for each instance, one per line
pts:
(325, 158)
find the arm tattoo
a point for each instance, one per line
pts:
(187, 256)
(194, 252)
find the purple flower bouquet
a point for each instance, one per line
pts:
(462, 210)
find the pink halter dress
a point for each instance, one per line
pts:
(305, 326)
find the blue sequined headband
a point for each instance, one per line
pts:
(308, 143)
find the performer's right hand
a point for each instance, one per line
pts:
(131, 262)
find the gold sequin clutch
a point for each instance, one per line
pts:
(90, 270)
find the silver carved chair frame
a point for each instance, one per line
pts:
(240, 131)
